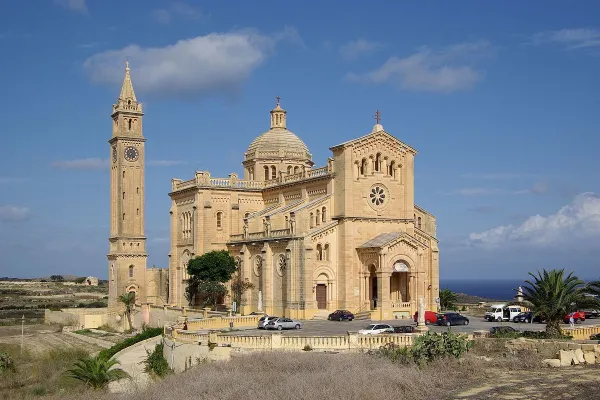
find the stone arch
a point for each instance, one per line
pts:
(409, 260)
(186, 256)
(323, 270)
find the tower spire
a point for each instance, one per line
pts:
(278, 116)
(127, 92)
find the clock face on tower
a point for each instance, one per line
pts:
(131, 153)
(114, 153)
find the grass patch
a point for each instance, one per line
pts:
(37, 375)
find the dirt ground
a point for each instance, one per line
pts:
(41, 338)
(578, 382)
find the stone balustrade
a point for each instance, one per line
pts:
(582, 332)
(401, 304)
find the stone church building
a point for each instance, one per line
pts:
(346, 235)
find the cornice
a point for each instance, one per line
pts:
(130, 138)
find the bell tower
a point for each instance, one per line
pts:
(127, 250)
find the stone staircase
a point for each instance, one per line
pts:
(362, 315)
(321, 315)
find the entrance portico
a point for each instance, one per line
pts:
(393, 276)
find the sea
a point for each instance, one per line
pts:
(494, 289)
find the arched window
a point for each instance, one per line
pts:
(378, 162)
(137, 211)
(287, 222)
(363, 167)
(273, 172)
(312, 220)
(296, 170)
(123, 174)
(219, 219)
(323, 211)
(391, 168)
(419, 222)
(123, 216)
(246, 215)
(319, 252)
(318, 217)
(266, 173)
(290, 169)
(131, 271)
(129, 124)
(326, 252)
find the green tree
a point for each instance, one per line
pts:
(56, 277)
(97, 372)
(238, 287)
(207, 274)
(128, 299)
(216, 266)
(447, 299)
(552, 295)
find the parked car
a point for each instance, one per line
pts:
(502, 329)
(449, 319)
(340, 315)
(283, 323)
(592, 314)
(502, 312)
(430, 317)
(527, 317)
(578, 316)
(404, 329)
(375, 329)
(264, 321)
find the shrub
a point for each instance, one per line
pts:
(147, 334)
(6, 363)
(433, 346)
(155, 363)
(307, 347)
(395, 353)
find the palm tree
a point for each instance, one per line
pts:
(551, 295)
(128, 299)
(97, 372)
(447, 299)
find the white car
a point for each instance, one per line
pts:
(375, 329)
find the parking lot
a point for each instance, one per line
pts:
(333, 328)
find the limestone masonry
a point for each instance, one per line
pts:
(346, 235)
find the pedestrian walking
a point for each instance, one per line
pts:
(571, 320)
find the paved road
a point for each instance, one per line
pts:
(329, 328)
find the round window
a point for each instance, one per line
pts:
(378, 197)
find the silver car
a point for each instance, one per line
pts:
(264, 321)
(283, 323)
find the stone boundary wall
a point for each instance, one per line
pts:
(78, 318)
(578, 332)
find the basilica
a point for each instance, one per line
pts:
(311, 239)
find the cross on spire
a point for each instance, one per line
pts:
(278, 99)
(377, 116)
(126, 64)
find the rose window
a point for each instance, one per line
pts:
(377, 195)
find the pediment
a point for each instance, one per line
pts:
(380, 139)
(393, 240)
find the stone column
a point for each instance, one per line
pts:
(383, 295)
(267, 270)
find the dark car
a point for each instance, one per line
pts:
(404, 329)
(592, 314)
(502, 329)
(340, 315)
(527, 317)
(449, 319)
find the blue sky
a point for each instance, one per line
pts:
(500, 99)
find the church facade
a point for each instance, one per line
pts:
(346, 235)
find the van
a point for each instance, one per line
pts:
(502, 312)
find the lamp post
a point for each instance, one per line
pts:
(22, 331)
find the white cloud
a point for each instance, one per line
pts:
(13, 213)
(203, 65)
(356, 48)
(580, 219)
(571, 38)
(427, 70)
(177, 9)
(537, 188)
(74, 5)
(82, 163)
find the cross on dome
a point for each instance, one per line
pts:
(378, 127)
(377, 116)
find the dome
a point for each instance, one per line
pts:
(278, 142)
